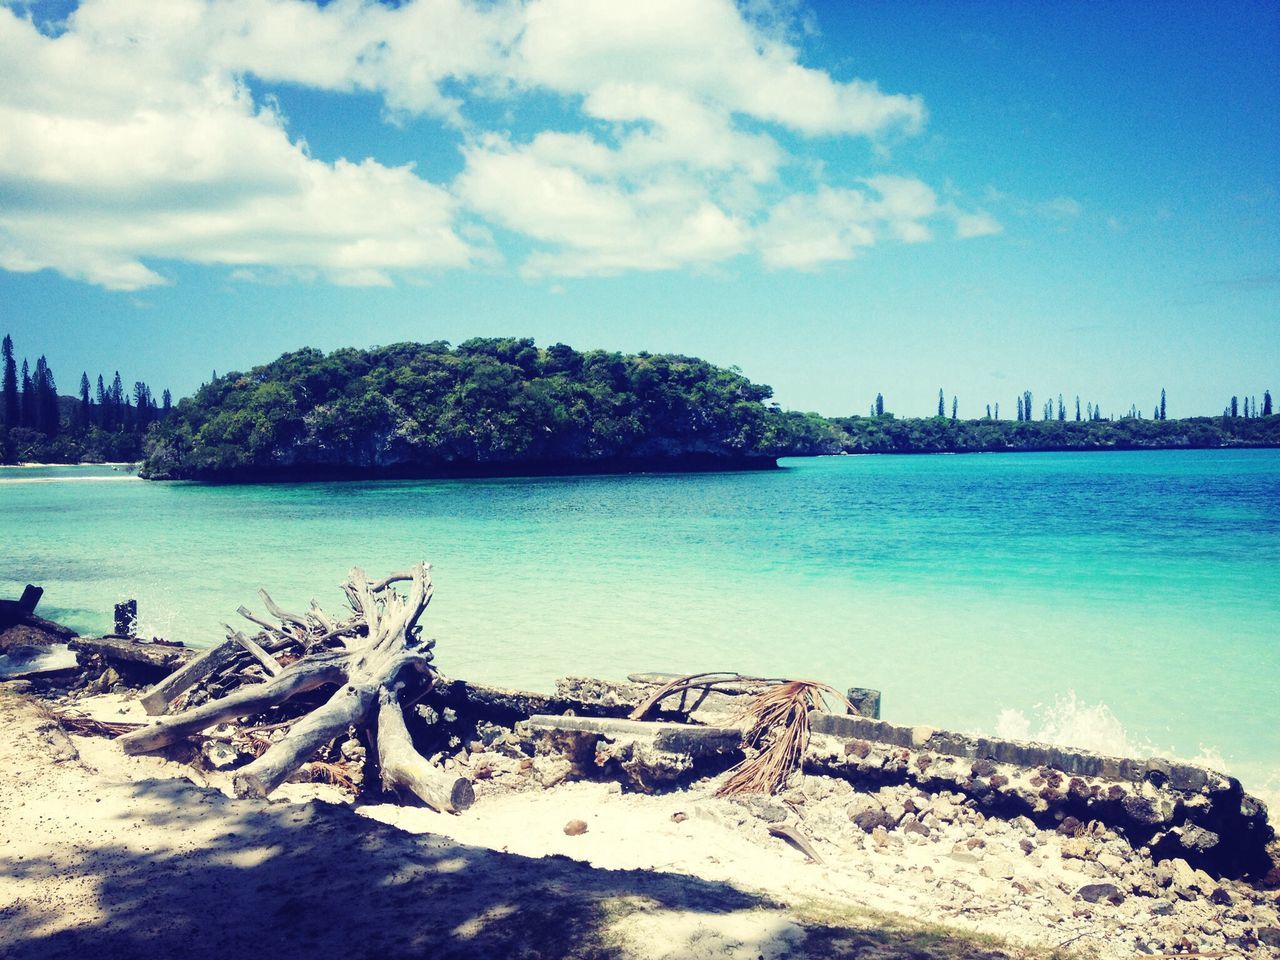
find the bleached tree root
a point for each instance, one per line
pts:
(380, 644)
(403, 767)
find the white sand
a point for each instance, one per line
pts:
(106, 855)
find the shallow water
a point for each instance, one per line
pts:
(1119, 600)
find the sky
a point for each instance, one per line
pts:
(841, 199)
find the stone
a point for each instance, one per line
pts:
(220, 756)
(920, 735)
(575, 828)
(1076, 848)
(1220, 897)
(770, 811)
(1197, 839)
(1101, 892)
(1113, 863)
(915, 826)
(1270, 936)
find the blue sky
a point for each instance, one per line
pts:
(841, 199)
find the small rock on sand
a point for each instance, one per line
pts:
(575, 828)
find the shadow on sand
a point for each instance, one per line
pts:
(255, 879)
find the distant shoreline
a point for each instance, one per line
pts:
(689, 463)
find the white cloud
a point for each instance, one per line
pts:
(595, 224)
(978, 224)
(117, 150)
(131, 138)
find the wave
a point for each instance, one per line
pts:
(1071, 722)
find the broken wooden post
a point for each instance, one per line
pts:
(127, 619)
(865, 702)
(16, 611)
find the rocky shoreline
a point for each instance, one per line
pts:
(1046, 848)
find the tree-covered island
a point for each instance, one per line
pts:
(486, 406)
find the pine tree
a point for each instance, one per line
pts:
(85, 416)
(1266, 403)
(166, 401)
(119, 417)
(11, 408)
(1163, 412)
(1026, 404)
(1062, 409)
(988, 411)
(1019, 409)
(954, 404)
(879, 404)
(997, 411)
(1077, 408)
(28, 397)
(1235, 406)
(104, 406)
(942, 404)
(46, 395)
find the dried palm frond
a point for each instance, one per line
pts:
(73, 723)
(778, 735)
(333, 773)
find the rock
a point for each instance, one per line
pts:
(1113, 863)
(1026, 845)
(857, 748)
(1101, 892)
(1198, 839)
(982, 768)
(1076, 848)
(920, 735)
(1024, 824)
(915, 826)
(679, 817)
(1270, 936)
(220, 756)
(867, 812)
(575, 828)
(770, 811)
(944, 809)
(1220, 897)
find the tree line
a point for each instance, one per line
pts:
(1090, 412)
(38, 424)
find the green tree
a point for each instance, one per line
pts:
(1163, 412)
(11, 407)
(942, 404)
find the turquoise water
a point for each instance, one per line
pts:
(1124, 601)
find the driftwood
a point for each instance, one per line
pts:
(161, 656)
(379, 646)
(157, 699)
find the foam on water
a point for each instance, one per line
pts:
(1071, 722)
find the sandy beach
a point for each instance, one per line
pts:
(132, 856)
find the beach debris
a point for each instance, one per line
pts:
(793, 837)
(367, 661)
(778, 735)
(17, 611)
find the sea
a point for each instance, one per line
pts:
(1125, 602)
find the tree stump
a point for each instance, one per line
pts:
(377, 646)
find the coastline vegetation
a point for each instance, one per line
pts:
(487, 405)
(37, 425)
(505, 405)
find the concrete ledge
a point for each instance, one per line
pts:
(673, 737)
(1177, 776)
